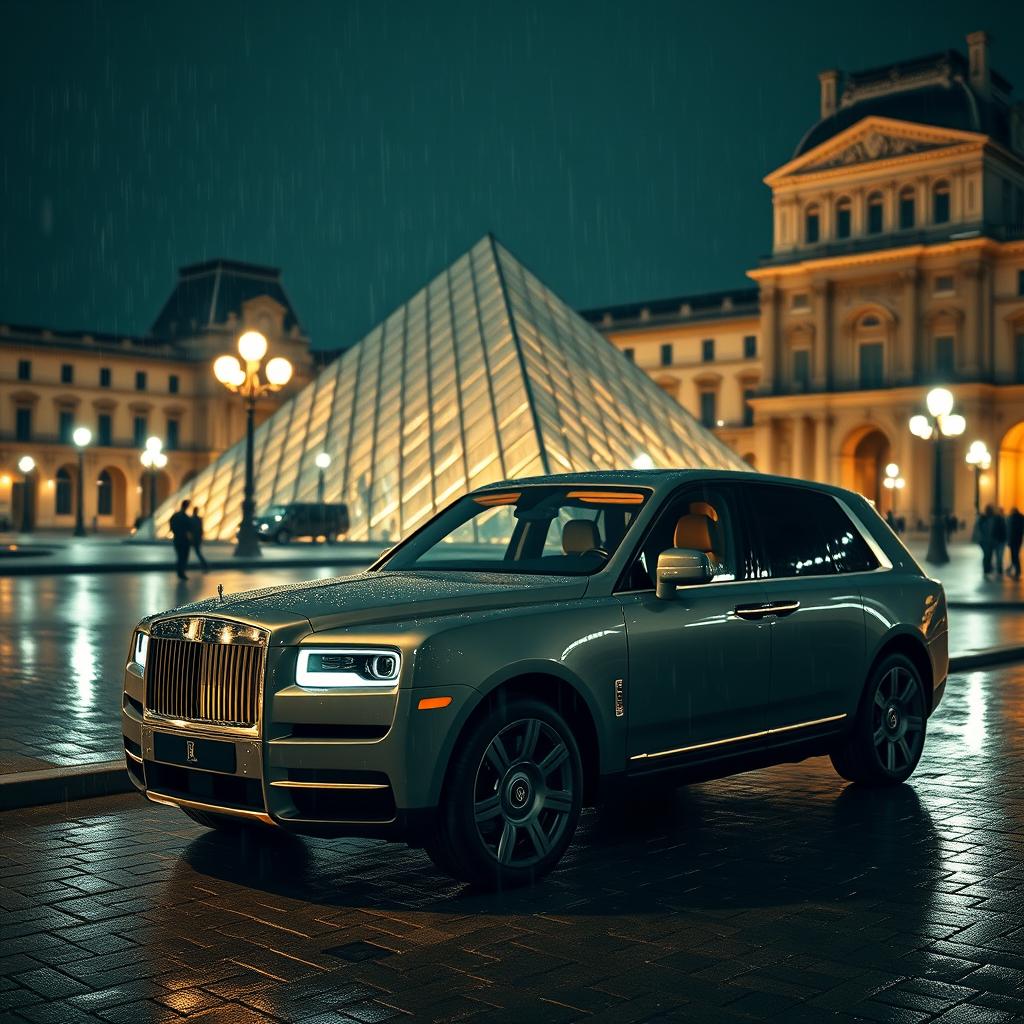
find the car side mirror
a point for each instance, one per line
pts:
(678, 567)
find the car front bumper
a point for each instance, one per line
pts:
(318, 763)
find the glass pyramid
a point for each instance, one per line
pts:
(483, 375)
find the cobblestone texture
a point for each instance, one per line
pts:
(781, 895)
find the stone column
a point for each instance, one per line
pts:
(796, 445)
(822, 344)
(823, 468)
(908, 334)
(770, 374)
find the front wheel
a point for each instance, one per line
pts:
(888, 735)
(512, 799)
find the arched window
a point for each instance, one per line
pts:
(62, 499)
(844, 218)
(940, 202)
(876, 213)
(908, 212)
(812, 225)
(104, 494)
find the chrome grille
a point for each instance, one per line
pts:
(214, 677)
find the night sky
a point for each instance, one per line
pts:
(617, 149)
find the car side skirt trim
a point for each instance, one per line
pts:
(197, 805)
(740, 739)
(286, 784)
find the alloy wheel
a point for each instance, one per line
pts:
(898, 720)
(524, 793)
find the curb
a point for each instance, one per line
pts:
(109, 778)
(71, 569)
(57, 785)
(985, 658)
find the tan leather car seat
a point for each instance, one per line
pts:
(579, 536)
(693, 531)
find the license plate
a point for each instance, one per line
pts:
(210, 755)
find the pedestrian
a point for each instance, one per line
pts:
(1014, 537)
(998, 540)
(181, 537)
(982, 536)
(197, 535)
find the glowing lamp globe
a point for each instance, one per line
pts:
(952, 425)
(939, 402)
(252, 346)
(26, 464)
(920, 427)
(892, 470)
(153, 444)
(278, 371)
(323, 460)
(82, 436)
(227, 370)
(643, 461)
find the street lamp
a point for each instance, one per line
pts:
(26, 464)
(940, 422)
(154, 459)
(252, 347)
(893, 482)
(82, 436)
(979, 459)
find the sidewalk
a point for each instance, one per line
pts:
(61, 555)
(965, 586)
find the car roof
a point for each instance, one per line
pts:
(662, 479)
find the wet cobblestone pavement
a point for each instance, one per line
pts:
(63, 644)
(782, 895)
(63, 641)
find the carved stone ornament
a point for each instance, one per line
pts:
(874, 146)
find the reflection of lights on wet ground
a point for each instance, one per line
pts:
(83, 667)
(975, 731)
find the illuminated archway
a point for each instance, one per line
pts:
(1011, 468)
(111, 495)
(863, 458)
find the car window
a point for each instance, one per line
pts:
(699, 517)
(804, 533)
(536, 529)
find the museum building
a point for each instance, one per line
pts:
(125, 389)
(897, 263)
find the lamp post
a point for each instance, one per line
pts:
(26, 464)
(894, 483)
(82, 436)
(252, 347)
(979, 459)
(939, 423)
(154, 459)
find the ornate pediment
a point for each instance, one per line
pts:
(872, 146)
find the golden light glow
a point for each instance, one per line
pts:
(939, 402)
(608, 497)
(278, 371)
(323, 460)
(26, 463)
(227, 369)
(429, 703)
(82, 436)
(252, 346)
(498, 499)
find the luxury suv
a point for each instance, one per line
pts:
(533, 648)
(282, 523)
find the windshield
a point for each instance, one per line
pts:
(538, 530)
(274, 510)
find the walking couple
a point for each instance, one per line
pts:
(187, 535)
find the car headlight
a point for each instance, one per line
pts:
(140, 648)
(334, 667)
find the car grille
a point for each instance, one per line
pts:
(213, 683)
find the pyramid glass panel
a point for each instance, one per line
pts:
(483, 375)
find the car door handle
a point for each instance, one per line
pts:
(759, 611)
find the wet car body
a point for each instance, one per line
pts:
(705, 683)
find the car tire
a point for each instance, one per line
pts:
(511, 799)
(887, 739)
(283, 536)
(220, 822)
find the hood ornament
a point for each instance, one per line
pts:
(220, 592)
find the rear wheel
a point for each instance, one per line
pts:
(888, 736)
(512, 799)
